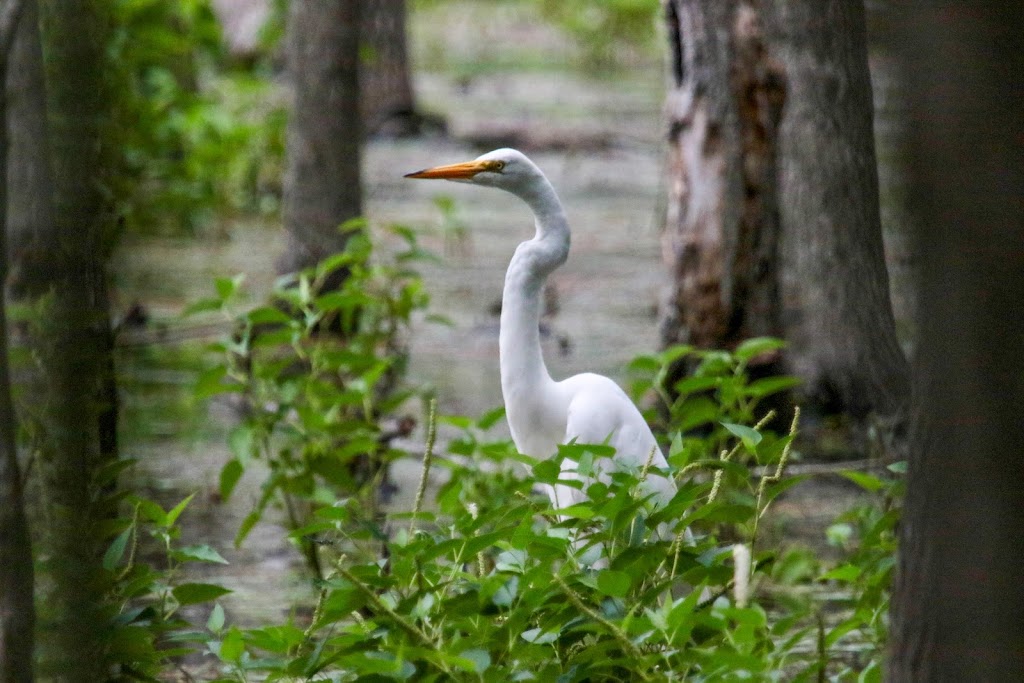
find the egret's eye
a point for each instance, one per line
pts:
(496, 166)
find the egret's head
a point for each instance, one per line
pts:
(506, 169)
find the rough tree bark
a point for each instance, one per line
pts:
(959, 599)
(773, 224)
(322, 181)
(17, 611)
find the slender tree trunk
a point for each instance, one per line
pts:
(958, 605)
(385, 87)
(322, 181)
(76, 401)
(17, 609)
(773, 224)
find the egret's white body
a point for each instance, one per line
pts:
(543, 413)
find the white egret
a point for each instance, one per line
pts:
(541, 412)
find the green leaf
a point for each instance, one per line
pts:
(579, 511)
(115, 552)
(481, 659)
(750, 437)
(229, 476)
(868, 482)
(226, 287)
(898, 468)
(176, 511)
(193, 593)
(844, 572)
(216, 621)
(756, 346)
(251, 520)
(201, 306)
(504, 596)
(490, 418)
(268, 315)
(199, 553)
(539, 637)
(767, 386)
(614, 583)
(232, 647)
(546, 472)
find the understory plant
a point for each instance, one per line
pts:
(491, 583)
(316, 372)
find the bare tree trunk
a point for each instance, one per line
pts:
(385, 88)
(958, 606)
(17, 609)
(322, 182)
(838, 314)
(773, 224)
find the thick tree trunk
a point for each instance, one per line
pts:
(836, 306)
(958, 606)
(322, 182)
(773, 224)
(722, 227)
(17, 611)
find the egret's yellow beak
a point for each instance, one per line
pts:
(463, 171)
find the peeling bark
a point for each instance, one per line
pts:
(772, 225)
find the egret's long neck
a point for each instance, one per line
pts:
(523, 371)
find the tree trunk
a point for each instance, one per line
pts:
(74, 395)
(385, 88)
(773, 224)
(17, 609)
(838, 314)
(959, 599)
(322, 182)
(722, 227)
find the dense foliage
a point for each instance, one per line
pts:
(489, 582)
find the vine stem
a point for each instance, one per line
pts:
(428, 457)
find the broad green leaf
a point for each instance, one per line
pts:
(115, 552)
(232, 646)
(579, 511)
(868, 482)
(193, 593)
(201, 306)
(175, 512)
(749, 436)
(844, 572)
(268, 315)
(505, 595)
(614, 583)
(539, 637)
(546, 472)
(481, 659)
(229, 476)
(216, 621)
(199, 553)
(756, 346)
(766, 386)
